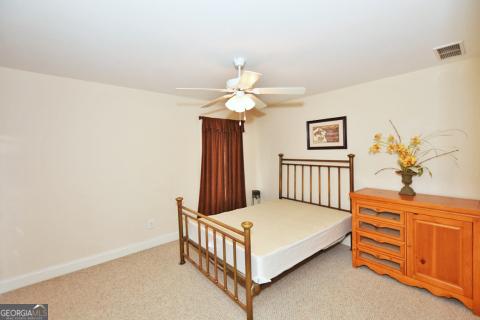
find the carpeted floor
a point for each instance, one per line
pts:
(151, 285)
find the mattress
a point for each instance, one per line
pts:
(284, 233)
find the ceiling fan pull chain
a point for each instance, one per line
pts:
(240, 117)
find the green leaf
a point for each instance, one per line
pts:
(420, 171)
(429, 172)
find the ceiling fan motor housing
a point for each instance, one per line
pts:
(233, 83)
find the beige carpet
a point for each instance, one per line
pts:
(151, 285)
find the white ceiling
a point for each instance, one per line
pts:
(160, 45)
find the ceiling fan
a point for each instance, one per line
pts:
(240, 94)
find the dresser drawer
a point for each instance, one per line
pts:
(380, 260)
(381, 228)
(380, 213)
(381, 244)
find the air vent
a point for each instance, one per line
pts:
(450, 50)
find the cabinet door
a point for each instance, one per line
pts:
(440, 252)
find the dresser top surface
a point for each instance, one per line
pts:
(424, 200)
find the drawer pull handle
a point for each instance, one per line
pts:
(378, 212)
(374, 239)
(380, 257)
(422, 261)
(377, 225)
(374, 224)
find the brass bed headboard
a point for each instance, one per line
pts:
(317, 187)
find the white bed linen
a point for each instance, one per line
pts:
(284, 233)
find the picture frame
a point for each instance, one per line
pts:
(329, 133)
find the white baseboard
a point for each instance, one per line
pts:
(61, 269)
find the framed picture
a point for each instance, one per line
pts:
(328, 133)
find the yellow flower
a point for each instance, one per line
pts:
(415, 141)
(375, 148)
(391, 148)
(408, 161)
(401, 149)
(391, 139)
(377, 137)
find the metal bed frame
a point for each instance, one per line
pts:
(212, 265)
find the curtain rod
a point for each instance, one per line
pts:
(202, 117)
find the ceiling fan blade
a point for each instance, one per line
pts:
(214, 101)
(279, 90)
(259, 104)
(286, 104)
(206, 89)
(256, 113)
(248, 79)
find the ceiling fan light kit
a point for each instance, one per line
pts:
(241, 95)
(240, 102)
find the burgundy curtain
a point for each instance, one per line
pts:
(222, 182)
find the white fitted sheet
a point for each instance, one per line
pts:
(284, 233)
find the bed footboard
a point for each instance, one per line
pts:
(208, 253)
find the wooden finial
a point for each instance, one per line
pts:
(247, 225)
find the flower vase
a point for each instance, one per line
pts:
(407, 181)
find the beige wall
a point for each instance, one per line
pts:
(84, 166)
(443, 97)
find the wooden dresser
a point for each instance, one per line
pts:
(426, 241)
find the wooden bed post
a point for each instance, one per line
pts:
(247, 225)
(180, 228)
(280, 181)
(350, 165)
(352, 189)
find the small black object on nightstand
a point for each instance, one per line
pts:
(255, 195)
